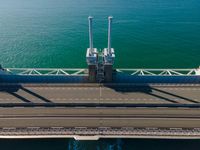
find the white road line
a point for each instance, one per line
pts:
(108, 89)
(9, 128)
(100, 92)
(88, 98)
(181, 89)
(63, 88)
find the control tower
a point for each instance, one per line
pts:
(91, 54)
(109, 54)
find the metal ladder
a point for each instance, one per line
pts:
(100, 70)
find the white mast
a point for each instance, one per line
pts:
(109, 33)
(91, 54)
(90, 33)
(109, 52)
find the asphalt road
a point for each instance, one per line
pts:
(162, 94)
(100, 117)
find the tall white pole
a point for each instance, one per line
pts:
(109, 33)
(90, 33)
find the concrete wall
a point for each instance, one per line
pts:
(92, 73)
(108, 73)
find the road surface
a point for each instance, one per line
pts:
(100, 117)
(179, 122)
(44, 93)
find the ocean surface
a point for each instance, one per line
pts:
(54, 33)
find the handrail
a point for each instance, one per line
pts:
(84, 71)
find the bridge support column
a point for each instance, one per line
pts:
(108, 73)
(92, 73)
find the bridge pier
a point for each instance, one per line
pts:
(108, 71)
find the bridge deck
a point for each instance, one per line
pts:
(35, 120)
(43, 93)
(100, 117)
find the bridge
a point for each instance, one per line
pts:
(99, 101)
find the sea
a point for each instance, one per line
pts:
(54, 34)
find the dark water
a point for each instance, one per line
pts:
(54, 33)
(103, 144)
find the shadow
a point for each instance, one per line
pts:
(146, 89)
(181, 97)
(125, 88)
(19, 97)
(13, 89)
(35, 94)
(9, 88)
(122, 88)
(161, 97)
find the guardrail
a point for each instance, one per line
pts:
(84, 71)
(47, 71)
(160, 72)
(102, 132)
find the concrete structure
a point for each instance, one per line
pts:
(197, 71)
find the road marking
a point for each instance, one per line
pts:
(64, 88)
(110, 89)
(90, 98)
(33, 127)
(175, 128)
(182, 89)
(57, 127)
(9, 128)
(100, 92)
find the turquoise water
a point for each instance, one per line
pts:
(54, 33)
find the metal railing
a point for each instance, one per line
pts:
(160, 72)
(84, 71)
(101, 131)
(48, 71)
